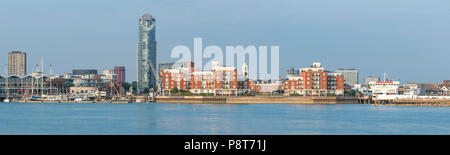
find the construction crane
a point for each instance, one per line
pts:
(155, 74)
(115, 83)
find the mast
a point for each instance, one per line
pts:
(7, 83)
(32, 82)
(50, 74)
(42, 81)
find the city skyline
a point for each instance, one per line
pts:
(400, 39)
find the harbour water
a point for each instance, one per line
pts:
(189, 119)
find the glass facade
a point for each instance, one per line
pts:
(146, 59)
(351, 76)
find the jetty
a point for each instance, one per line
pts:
(257, 99)
(405, 102)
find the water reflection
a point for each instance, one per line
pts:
(250, 119)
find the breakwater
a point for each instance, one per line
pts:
(256, 99)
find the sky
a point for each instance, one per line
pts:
(407, 39)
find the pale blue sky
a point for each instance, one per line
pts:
(408, 39)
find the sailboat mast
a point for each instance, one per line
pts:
(42, 81)
(7, 83)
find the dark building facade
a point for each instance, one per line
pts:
(84, 71)
(120, 71)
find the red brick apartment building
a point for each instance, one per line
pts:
(315, 81)
(224, 81)
(220, 80)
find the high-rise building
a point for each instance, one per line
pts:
(315, 81)
(17, 63)
(120, 71)
(369, 79)
(146, 59)
(351, 76)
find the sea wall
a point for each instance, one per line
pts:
(256, 100)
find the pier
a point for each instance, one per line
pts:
(256, 99)
(405, 102)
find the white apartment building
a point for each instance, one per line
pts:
(384, 87)
(412, 89)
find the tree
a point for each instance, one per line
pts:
(146, 90)
(134, 85)
(185, 93)
(350, 93)
(126, 86)
(174, 90)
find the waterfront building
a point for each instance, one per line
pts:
(177, 73)
(120, 73)
(315, 81)
(363, 90)
(244, 80)
(178, 78)
(225, 81)
(168, 66)
(219, 81)
(83, 92)
(146, 54)
(243, 86)
(431, 89)
(267, 87)
(110, 74)
(351, 76)
(384, 88)
(17, 63)
(336, 84)
(412, 89)
(446, 82)
(15, 86)
(90, 79)
(293, 85)
(369, 79)
(445, 88)
(174, 65)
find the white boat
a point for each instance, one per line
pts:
(80, 99)
(6, 100)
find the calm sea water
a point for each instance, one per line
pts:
(156, 118)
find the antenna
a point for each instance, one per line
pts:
(6, 70)
(7, 86)
(42, 65)
(51, 70)
(42, 81)
(51, 74)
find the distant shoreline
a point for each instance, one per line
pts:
(414, 105)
